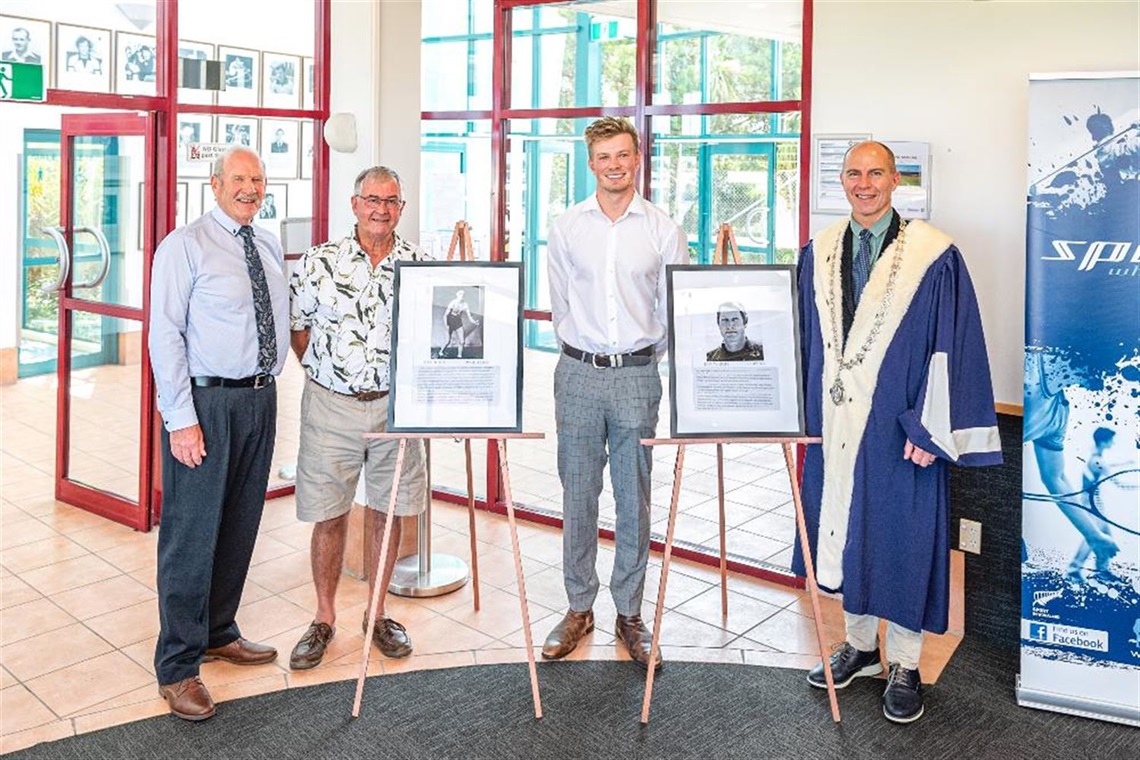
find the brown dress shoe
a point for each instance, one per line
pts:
(188, 699)
(566, 635)
(390, 637)
(242, 652)
(310, 650)
(632, 632)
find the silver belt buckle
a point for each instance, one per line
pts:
(261, 381)
(594, 361)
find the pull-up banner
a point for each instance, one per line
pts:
(1080, 573)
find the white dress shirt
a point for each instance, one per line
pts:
(607, 278)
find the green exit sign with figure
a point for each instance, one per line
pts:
(21, 81)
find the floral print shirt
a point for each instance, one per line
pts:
(346, 305)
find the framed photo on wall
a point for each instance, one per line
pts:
(279, 147)
(237, 130)
(26, 40)
(307, 157)
(734, 367)
(135, 63)
(83, 58)
(193, 129)
(308, 72)
(281, 82)
(181, 203)
(241, 73)
(457, 347)
(275, 205)
(195, 51)
(208, 200)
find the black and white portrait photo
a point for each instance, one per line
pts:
(135, 67)
(736, 345)
(457, 327)
(268, 208)
(280, 87)
(233, 130)
(279, 142)
(84, 58)
(240, 75)
(25, 40)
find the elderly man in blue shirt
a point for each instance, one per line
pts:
(219, 335)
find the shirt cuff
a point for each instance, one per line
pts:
(176, 419)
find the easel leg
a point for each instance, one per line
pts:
(723, 548)
(471, 524)
(377, 575)
(677, 469)
(519, 575)
(813, 588)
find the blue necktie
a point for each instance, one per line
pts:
(861, 266)
(262, 307)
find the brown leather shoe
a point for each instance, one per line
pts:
(242, 652)
(632, 632)
(390, 637)
(566, 635)
(188, 699)
(310, 650)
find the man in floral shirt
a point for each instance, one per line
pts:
(341, 322)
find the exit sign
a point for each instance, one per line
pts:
(21, 81)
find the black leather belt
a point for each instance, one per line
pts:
(253, 381)
(638, 358)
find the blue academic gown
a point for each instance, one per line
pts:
(924, 375)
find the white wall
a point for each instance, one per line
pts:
(376, 77)
(955, 75)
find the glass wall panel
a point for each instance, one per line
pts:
(580, 54)
(712, 52)
(455, 174)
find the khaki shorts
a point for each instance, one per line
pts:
(333, 452)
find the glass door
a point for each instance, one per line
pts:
(106, 241)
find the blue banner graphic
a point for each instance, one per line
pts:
(1080, 608)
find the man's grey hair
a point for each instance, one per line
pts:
(219, 166)
(381, 173)
(728, 306)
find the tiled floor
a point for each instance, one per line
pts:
(78, 616)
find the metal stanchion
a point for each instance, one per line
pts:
(425, 573)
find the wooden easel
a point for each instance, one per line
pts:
(501, 441)
(725, 242)
(461, 243)
(809, 566)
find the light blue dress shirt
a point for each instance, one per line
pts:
(202, 318)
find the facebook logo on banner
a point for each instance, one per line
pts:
(1039, 631)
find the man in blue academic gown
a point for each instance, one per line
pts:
(897, 383)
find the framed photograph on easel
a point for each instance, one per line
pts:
(734, 366)
(457, 347)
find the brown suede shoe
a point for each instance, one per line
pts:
(566, 635)
(188, 699)
(242, 652)
(632, 632)
(390, 637)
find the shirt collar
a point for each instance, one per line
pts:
(878, 229)
(229, 224)
(636, 205)
(358, 249)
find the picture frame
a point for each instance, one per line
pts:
(827, 153)
(83, 58)
(281, 80)
(208, 201)
(275, 205)
(307, 145)
(238, 130)
(26, 40)
(309, 85)
(193, 128)
(456, 348)
(135, 64)
(734, 369)
(280, 147)
(241, 74)
(197, 51)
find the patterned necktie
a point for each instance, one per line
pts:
(861, 266)
(262, 308)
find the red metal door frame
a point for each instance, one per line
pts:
(114, 507)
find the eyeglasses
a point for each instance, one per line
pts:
(374, 201)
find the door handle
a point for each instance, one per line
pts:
(56, 234)
(104, 257)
